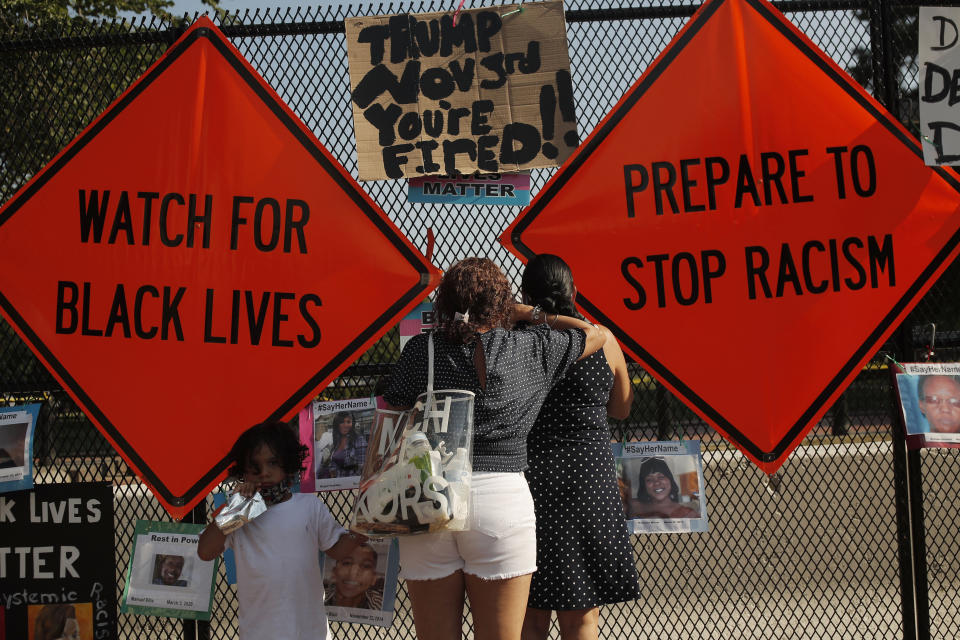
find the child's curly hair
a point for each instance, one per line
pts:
(279, 437)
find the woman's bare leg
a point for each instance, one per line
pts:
(438, 607)
(498, 606)
(579, 624)
(536, 624)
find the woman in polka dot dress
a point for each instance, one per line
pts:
(511, 373)
(584, 556)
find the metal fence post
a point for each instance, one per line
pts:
(911, 532)
(196, 629)
(902, 501)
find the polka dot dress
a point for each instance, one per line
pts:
(584, 556)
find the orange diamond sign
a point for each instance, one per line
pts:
(196, 262)
(750, 223)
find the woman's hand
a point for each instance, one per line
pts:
(521, 313)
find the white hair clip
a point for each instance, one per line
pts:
(461, 317)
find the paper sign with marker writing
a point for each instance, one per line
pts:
(490, 92)
(939, 64)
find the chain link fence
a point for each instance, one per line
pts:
(851, 538)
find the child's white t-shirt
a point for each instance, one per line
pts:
(279, 581)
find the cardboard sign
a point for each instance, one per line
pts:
(491, 93)
(57, 567)
(757, 247)
(498, 189)
(199, 245)
(939, 64)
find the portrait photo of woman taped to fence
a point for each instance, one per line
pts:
(341, 433)
(661, 484)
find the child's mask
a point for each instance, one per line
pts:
(277, 493)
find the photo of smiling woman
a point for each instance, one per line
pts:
(658, 495)
(661, 485)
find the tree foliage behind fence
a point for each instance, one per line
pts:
(852, 538)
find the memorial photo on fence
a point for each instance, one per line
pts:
(16, 446)
(341, 433)
(661, 485)
(167, 569)
(362, 586)
(165, 576)
(930, 402)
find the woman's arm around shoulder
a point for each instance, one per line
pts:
(594, 333)
(621, 395)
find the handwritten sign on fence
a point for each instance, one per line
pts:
(939, 63)
(489, 92)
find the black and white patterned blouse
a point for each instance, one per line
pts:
(522, 366)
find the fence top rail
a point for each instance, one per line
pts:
(127, 34)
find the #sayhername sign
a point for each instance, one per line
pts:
(939, 62)
(489, 91)
(930, 403)
(57, 562)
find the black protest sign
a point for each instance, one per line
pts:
(489, 92)
(57, 572)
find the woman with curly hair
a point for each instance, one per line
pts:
(511, 372)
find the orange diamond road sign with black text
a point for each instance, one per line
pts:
(196, 262)
(749, 223)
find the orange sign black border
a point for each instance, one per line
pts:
(191, 37)
(606, 127)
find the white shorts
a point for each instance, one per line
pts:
(501, 542)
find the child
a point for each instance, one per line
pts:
(279, 581)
